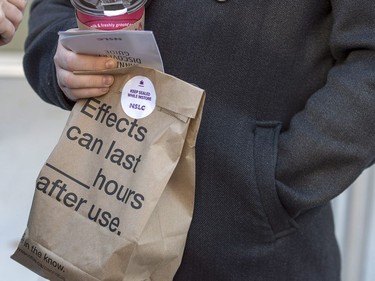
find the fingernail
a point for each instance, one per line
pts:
(108, 80)
(110, 64)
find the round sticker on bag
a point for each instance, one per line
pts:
(138, 97)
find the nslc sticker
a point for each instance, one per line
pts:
(138, 97)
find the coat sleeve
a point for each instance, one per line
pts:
(331, 141)
(47, 18)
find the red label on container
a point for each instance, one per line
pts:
(133, 20)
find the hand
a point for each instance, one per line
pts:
(11, 15)
(82, 86)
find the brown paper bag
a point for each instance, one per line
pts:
(114, 199)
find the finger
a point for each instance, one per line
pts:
(83, 86)
(71, 61)
(20, 4)
(70, 80)
(13, 13)
(7, 29)
(4, 41)
(77, 94)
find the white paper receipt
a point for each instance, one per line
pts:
(138, 97)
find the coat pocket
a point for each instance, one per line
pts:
(265, 155)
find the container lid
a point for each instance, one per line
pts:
(107, 7)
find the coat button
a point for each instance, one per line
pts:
(221, 1)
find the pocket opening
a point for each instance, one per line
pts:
(265, 155)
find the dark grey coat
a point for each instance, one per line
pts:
(288, 123)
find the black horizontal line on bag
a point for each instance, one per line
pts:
(68, 176)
